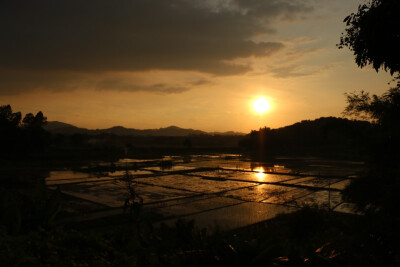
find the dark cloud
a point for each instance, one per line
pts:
(138, 35)
(11, 82)
(18, 81)
(116, 84)
(200, 82)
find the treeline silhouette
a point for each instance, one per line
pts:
(21, 136)
(26, 137)
(377, 191)
(327, 137)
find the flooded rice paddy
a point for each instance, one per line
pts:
(225, 190)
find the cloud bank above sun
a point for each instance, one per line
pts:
(68, 44)
(195, 64)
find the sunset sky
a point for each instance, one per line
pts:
(190, 63)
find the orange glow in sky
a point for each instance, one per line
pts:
(214, 66)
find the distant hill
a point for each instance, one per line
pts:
(326, 135)
(57, 127)
(54, 125)
(64, 128)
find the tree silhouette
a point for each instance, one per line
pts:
(8, 118)
(36, 122)
(20, 138)
(373, 34)
(383, 110)
(9, 130)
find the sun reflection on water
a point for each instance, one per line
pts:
(260, 174)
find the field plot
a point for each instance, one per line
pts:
(223, 190)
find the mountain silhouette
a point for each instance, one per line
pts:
(57, 127)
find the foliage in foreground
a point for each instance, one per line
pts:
(377, 191)
(373, 34)
(306, 238)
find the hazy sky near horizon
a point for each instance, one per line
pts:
(190, 63)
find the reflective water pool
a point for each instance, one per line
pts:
(225, 189)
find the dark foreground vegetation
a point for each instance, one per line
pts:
(31, 235)
(305, 238)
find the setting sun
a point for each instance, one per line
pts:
(261, 105)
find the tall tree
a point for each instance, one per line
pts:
(8, 118)
(19, 138)
(373, 34)
(31, 121)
